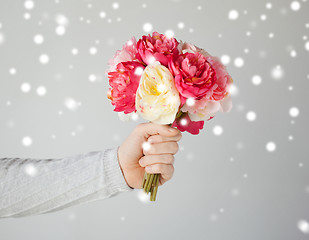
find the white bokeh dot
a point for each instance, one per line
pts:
(256, 80)
(295, 5)
(115, 5)
(30, 170)
(181, 25)
(74, 51)
(134, 116)
(92, 78)
(233, 14)
(183, 122)
(60, 30)
(138, 71)
(146, 146)
(27, 141)
(61, 20)
(147, 27)
(38, 39)
(277, 72)
(307, 46)
(142, 196)
(190, 102)
(44, 59)
(303, 226)
(239, 62)
(93, 50)
(225, 59)
(41, 91)
(293, 53)
(169, 33)
(12, 71)
(269, 5)
(71, 104)
(29, 4)
(27, 16)
(233, 90)
(1, 38)
(271, 146)
(25, 87)
(294, 112)
(251, 116)
(217, 130)
(102, 14)
(263, 17)
(271, 35)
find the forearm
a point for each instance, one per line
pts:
(31, 186)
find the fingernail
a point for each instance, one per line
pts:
(172, 129)
(148, 168)
(140, 162)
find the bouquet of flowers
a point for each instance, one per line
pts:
(170, 82)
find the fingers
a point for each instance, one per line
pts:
(160, 138)
(161, 148)
(155, 159)
(152, 129)
(166, 171)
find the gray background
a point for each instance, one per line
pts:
(226, 186)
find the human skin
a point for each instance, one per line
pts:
(158, 157)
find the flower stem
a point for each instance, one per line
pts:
(144, 179)
(154, 192)
(146, 182)
(149, 183)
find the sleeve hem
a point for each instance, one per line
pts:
(113, 172)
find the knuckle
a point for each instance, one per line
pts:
(159, 168)
(180, 135)
(172, 170)
(152, 149)
(157, 138)
(160, 138)
(176, 147)
(170, 158)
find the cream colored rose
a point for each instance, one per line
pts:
(157, 98)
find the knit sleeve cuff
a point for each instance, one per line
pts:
(113, 172)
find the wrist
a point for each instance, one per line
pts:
(122, 165)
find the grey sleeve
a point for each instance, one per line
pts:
(36, 186)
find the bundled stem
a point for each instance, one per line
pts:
(150, 184)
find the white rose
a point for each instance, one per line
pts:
(157, 98)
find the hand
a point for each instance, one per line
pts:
(151, 148)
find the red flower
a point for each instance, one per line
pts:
(157, 47)
(184, 123)
(124, 82)
(194, 75)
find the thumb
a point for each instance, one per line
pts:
(153, 129)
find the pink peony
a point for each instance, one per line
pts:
(157, 47)
(194, 76)
(184, 123)
(206, 109)
(124, 82)
(128, 53)
(224, 80)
